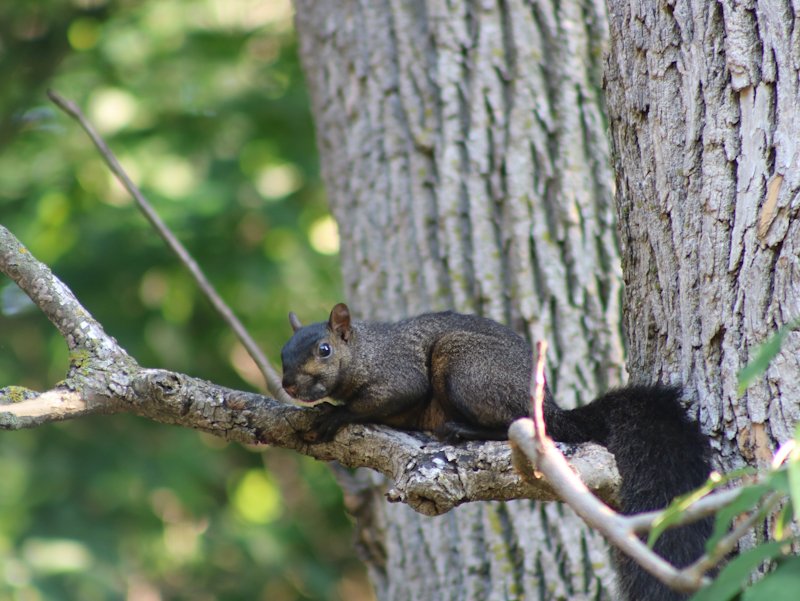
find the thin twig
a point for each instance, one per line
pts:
(642, 523)
(542, 439)
(618, 529)
(272, 378)
(595, 513)
(530, 437)
(724, 546)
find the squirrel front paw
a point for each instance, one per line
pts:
(325, 425)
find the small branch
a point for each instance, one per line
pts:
(642, 523)
(593, 511)
(543, 441)
(530, 437)
(271, 376)
(53, 403)
(726, 545)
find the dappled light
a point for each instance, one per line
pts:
(324, 236)
(204, 105)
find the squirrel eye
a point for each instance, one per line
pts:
(325, 350)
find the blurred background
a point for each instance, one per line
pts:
(203, 102)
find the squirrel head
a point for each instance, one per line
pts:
(315, 359)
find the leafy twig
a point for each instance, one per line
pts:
(530, 437)
(641, 523)
(723, 547)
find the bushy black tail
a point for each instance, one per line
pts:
(660, 454)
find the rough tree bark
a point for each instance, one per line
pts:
(464, 151)
(704, 107)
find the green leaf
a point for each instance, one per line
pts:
(677, 508)
(766, 352)
(679, 505)
(750, 496)
(793, 474)
(779, 480)
(783, 519)
(781, 585)
(734, 576)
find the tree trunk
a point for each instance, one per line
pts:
(463, 146)
(704, 107)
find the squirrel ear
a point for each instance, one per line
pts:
(296, 325)
(339, 321)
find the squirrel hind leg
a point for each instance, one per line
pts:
(454, 432)
(481, 383)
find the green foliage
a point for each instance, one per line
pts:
(766, 353)
(781, 585)
(736, 574)
(678, 507)
(101, 507)
(784, 581)
(793, 475)
(749, 498)
(204, 105)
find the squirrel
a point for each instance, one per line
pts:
(465, 377)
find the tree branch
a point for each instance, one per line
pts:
(708, 560)
(429, 476)
(528, 438)
(642, 523)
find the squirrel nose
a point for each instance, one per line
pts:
(291, 389)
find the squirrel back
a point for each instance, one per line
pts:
(438, 371)
(467, 377)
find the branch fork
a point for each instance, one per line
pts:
(532, 447)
